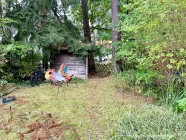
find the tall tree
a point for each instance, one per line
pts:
(86, 29)
(44, 18)
(115, 34)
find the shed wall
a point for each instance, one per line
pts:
(75, 65)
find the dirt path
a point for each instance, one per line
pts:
(91, 108)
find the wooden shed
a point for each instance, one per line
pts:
(75, 65)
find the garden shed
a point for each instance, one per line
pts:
(75, 64)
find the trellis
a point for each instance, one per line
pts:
(103, 69)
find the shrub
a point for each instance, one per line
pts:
(152, 49)
(3, 82)
(182, 104)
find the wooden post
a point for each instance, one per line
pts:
(86, 67)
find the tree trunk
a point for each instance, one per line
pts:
(44, 18)
(44, 11)
(115, 34)
(1, 9)
(86, 29)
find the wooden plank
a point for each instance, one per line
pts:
(75, 65)
(86, 69)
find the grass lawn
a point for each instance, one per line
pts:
(89, 110)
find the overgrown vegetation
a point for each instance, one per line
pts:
(151, 56)
(153, 50)
(18, 60)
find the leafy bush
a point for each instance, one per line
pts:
(144, 80)
(149, 122)
(127, 77)
(19, 59)
(24, 71)
(3, 82)
(6, 73)
(182, 104)
(153, 47)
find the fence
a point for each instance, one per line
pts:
(103, 69)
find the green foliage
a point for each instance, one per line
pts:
(97, 50)
(24, 71)
(3, 82)
(100, 50)
(145, 81)
(51, 36)
(7, 74)
(77, 81)
(23, 83)
(18, 53)
(100, 18)
(5, 21)
(18, 48)
(153, 45)
(182, 104)
(18, 60)
(30, 25)
(127, 77)
(97, 12)
(47, 32)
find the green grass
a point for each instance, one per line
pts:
(23, 83)
(149, 122)
(77, 80)
(94, 107)
(84, 105)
